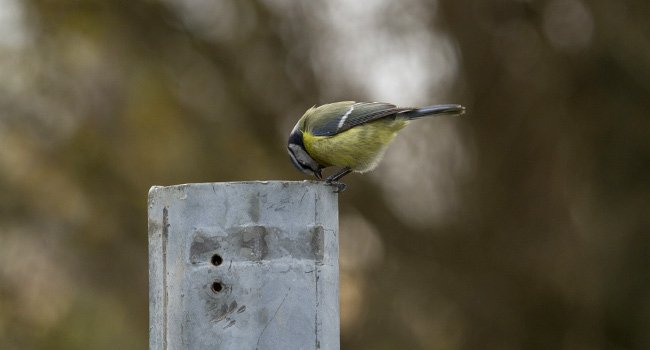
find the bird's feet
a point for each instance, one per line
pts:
(340, 186)
(333, 180)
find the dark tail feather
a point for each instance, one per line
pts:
(434, 111)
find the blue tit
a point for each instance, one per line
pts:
(351, 135)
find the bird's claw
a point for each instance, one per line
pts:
(340, 186)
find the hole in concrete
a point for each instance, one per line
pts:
(217, 287)
(216, 260)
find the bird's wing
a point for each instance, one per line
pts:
(345, 115)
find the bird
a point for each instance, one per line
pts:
(351, 135)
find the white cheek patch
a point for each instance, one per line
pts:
(293, 158)
(296, 162)
(300, 155)
(345, 116)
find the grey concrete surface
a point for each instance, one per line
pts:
(244, 265)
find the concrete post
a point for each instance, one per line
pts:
(243, 265)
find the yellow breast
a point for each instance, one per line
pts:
(360, 148)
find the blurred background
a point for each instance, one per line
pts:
(522, 225)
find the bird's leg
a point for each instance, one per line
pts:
(333, 179)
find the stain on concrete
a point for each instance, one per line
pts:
(254, 243)
(218, 311)
(254, 207)
(203, 247)
(317, 242)
(257, 243)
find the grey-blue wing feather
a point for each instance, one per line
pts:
(352, 115)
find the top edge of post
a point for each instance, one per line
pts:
(157, 188)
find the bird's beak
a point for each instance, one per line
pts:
(318, 174)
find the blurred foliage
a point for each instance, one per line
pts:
(523, 224)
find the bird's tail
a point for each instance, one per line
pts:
(430, 111)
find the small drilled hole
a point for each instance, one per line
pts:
(216, 260)
(217, 287)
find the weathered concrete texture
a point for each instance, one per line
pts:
(250, 265)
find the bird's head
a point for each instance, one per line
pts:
(300, 157)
